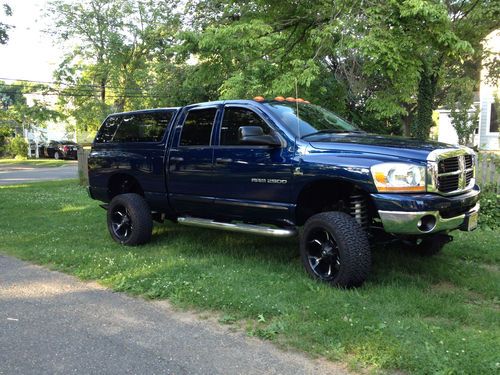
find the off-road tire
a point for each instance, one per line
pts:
(139, 219)
(353, 256)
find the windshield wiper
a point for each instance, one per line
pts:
(332, 131)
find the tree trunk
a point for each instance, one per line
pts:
(425, 104)
(103, 90)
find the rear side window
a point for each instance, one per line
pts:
(107, 130)
(142, 127)
(234, 118)
(197, 127)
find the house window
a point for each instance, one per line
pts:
(494, 118)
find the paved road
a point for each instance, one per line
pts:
(19, 175)
(51, 323)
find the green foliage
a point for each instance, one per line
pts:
(382, 65)
(4, 28)
(18, 147)
(489, 215)
(415, 315)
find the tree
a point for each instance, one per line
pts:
(4, 36)
(389, 59)
(119, 44)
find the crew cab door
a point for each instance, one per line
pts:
(251, 182)
(190, 162)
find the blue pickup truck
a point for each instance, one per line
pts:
(281, 167)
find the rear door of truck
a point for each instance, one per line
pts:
(190, 160)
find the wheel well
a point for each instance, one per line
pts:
(121, 184)
(330, 195)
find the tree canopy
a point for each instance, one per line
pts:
(386, 64)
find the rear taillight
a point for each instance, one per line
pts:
(66, 148)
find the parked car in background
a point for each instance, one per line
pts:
(60, 150)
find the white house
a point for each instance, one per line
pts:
(487, 134)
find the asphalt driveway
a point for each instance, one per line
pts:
(51, 323)
(17, 175)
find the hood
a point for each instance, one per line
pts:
(365, 143)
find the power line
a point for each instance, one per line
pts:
(96, 86)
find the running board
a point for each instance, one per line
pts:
(240, 227)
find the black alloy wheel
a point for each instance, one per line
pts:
(121, 223)
(323, 254)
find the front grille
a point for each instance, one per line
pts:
(448, 165)
(468, 161)
(448, 183)
(455, 172)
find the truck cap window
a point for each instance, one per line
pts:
(197, 127)
(142, 127)
(234, 117)
(108, 129)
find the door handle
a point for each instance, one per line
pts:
(176, 158)
(223, 160)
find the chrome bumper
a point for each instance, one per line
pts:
(423, 222)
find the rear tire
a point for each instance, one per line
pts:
(335, 249)
(129, 219)
(56, 155)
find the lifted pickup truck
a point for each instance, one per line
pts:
(271, 167)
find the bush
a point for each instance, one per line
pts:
(18, 147)
(489, 214)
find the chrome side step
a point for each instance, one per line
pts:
(240, 227)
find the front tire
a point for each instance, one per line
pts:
(335, 249)
(57, 156)
(129, 219)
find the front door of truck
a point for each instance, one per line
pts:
(252, 182)
(190, 162)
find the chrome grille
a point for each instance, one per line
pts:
(450, 171)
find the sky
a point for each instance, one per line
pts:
(29, 54)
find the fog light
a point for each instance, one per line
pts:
(426, 223)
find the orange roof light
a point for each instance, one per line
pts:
(279, 99)
(300, 100)
(290, 99)
(259, 99)
(307, 102)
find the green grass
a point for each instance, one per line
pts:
(422, 316)
(32, 163)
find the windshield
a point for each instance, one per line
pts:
(313, 119)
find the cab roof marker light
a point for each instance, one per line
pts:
(259, 98)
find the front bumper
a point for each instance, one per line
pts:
(423, 222)
(417, 214)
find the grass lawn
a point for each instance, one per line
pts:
(438, 315)
(33, 163)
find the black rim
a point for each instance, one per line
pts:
(323, 254)
(121, 224)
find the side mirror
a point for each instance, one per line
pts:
(254, 135)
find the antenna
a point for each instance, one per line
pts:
(297, 105)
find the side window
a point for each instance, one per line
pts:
(197, 127)
(234, 118)
(108, 129)
(142, 127)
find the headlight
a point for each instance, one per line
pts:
(399, 177)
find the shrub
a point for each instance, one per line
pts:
(489, 214)
(18, 147)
